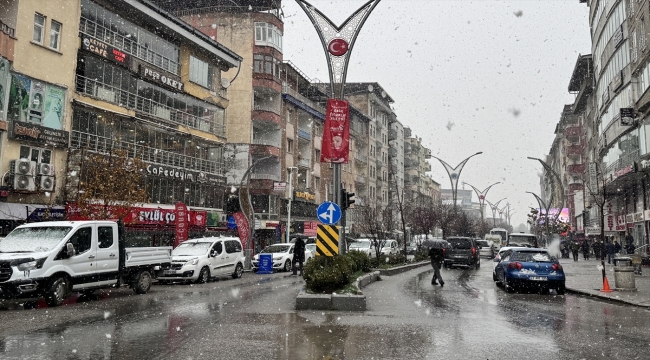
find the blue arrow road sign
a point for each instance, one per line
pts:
(328, 213)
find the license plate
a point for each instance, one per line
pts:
(169, 272)
(539, 278)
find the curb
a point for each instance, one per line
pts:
(622, 301)
(401, 269)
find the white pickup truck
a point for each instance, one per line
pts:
(52, 259)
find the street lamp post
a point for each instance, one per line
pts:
(547, 208)
(481, 196)
(454, 175)
(494, 207)
(337, 42)
(290, 199)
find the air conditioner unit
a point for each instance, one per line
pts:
(44, 169)
(46, 183)
(23, 167)
(24, 183)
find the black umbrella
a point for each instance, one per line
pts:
(436, 244)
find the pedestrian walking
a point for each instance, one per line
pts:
(610, 249)
(575, 250)
(437, 257)
(585, 249)
(629, 247)
(598, 247)
(298, 255)
(617, 247)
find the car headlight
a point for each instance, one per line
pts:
(192, 262)
(31, 265)
(277, 257)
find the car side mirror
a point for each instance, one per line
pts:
(496, 260)
(69, 249)
(213, 253)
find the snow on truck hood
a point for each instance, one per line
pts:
(23, 255)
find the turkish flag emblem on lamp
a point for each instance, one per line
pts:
(336, 134)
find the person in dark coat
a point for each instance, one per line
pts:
(298, 255)
(575, 250)
(437, 257)
(597, 246)
(617, 247)
(629, 247)
(610, 249)
(585, 249)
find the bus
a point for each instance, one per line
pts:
(503, 233)
(523, 239)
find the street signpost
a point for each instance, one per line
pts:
(327, 240)
(328, 213)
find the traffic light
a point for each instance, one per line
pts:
(346, 199)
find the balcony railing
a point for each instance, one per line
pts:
(267, 107)
(392, 134)
(363, 158)
(265, 176)
(267, 142)
(304, 162)
(129, 100)
(305, 134)
(287, 90)
(146, 153)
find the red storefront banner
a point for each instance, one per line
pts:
(242, 228)
(182, 223)
(336, 134)
(144, 216)
(310, 228)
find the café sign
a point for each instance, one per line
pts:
(184, 174)
(105, 50)
(166, 80)
(304, 195)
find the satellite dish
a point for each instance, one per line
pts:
(225, 83)
(370, 88)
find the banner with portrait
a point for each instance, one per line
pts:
(336, 133)
(34, 101)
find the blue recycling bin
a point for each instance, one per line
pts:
(265, 264)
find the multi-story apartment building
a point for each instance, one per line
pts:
(129, 76)
(420, 187)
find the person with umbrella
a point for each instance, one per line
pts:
(437, 257)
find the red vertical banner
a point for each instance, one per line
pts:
(182, 223)
(242, 228)
(336, 134)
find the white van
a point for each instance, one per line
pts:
(199, 260)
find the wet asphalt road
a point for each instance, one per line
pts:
(254, 318)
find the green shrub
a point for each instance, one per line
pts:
(326, 274)
(361, 261)
(396, 259)
(421, 255)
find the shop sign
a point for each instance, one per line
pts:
(146, 216)
(39, 134)
(184, 174)
(242, 228)
(629, 218)
(610, 223)
(627, 116)
(105, 50)
(304, 195)
(638, 217)
(44, 213)
(182, 225)
(163, 79)
(620, 223)
(592, 230)
(279, 186)
(646, 215)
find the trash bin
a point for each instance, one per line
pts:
(624, 274)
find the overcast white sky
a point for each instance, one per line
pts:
(466, 76)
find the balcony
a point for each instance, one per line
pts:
(265, 176)
(572, 133)
(304, 162)
(392, 134)
(576, 169)
(267, 142)
(304, 134)
(265, 150)
(133, 101)
(575, 180)
(427, 167)
(361, 158)
(360, 179)
(7, 41)
(427, 155)
(147, 154)
(407, 147)
(574, 151)
(392, 152)
(379, 163)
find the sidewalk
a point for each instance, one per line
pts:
(584, 277)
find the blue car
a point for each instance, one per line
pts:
(529, 269)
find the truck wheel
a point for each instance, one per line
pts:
(204, 276)
(142, 282)
(238, 271)
(57, 291)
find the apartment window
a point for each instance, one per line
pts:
(55, 35)
(39, 28)
(200, 72)
(36, 154)
(317, 183)
(268, 35)
(290, 146)
(317, 155)
(266, 65)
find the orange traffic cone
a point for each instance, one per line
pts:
(606, 286)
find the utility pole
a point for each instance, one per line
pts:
(290, 200)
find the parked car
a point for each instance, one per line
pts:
(390, 247)
(51, 259)
(282, 256)
(463, 251)
(497, 258)
(530, 268)
(199, 260)
(311, 247)
(363, 245)
(486, 248)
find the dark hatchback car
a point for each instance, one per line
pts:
(462, 251)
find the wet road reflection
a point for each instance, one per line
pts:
(253, 318)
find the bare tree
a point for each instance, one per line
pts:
(423, 219)
(446, 215)
(394, 186)
(108, 185)
(371, 222)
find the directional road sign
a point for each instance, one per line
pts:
(328, 213)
